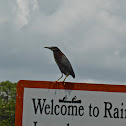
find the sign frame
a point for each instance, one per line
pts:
(59, 85)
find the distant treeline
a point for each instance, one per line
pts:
(7, 103)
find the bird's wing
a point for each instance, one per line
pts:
(66, 63)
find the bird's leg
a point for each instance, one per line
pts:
(65, 78)
(59, 79)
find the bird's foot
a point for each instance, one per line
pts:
(63, 83)
(55, 83)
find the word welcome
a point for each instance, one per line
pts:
(41, 106)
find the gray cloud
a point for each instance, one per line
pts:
(91, 33)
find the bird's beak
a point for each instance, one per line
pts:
(47, 47)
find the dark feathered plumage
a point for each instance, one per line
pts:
(62, 62)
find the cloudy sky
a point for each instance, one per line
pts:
(91, 33)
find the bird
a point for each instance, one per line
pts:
(62, 62)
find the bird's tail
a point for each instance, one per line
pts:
(73, 75)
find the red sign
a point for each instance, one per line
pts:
(57, 99)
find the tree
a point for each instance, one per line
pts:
(7, 103)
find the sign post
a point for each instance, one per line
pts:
(41, 103)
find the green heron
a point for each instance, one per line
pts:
(62, 62)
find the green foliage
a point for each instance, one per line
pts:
(7, 103)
